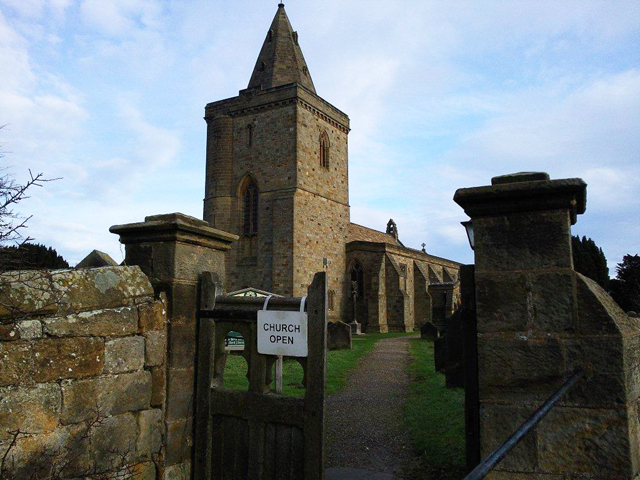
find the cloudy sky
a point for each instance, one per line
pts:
(110, 94)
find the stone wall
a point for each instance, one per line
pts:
(320, 232)
(398, 286)
(83, 357)
(538, 322)
(174, 250)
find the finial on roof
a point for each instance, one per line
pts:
(280, 5)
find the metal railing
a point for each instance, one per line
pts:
(492, 460)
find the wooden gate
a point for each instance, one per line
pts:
(256, 434)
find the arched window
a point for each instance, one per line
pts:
(325, 148)
(249, 134)
(250, 209)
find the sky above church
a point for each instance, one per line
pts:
(109, 95)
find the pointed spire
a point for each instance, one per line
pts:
(281, 61)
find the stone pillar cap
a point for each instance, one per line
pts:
(524, 192)
(174, 227)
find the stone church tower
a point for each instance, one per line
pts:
(277, 176)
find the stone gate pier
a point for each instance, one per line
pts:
(538, 322)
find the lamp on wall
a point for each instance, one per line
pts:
(468, 226)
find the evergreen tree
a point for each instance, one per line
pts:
(29, 256)
(625, 288)
(589, 260)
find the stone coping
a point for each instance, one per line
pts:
(365, 246)
(255, 98)
(524, 192)
(174, 227)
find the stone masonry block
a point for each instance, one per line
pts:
(150, 432)
(33, 409)
(33, 456)
(523, 241)
(191, 260)
(16, 365)
(179, 442)
(497, 423)
(124, 354)
(9, 332)
(113, 442)
(104, 396)
(60, 358)
(97, 323)
(155, 348)
(180, 393)
(183, 301)
(605, 381)
(30, 329)
(553, 301)
(501, 301)
(143, 471)
(519, 367)
(585, 441)
(178, 471)
(158, 386)
(182, 345)
(153, 316)
(597, 311)
(69, 291)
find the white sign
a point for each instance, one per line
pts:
(282, 333)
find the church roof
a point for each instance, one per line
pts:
(281, 61)
(358, 233)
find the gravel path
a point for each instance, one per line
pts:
(365, 428)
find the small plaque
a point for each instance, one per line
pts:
(282, 333)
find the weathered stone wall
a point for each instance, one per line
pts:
(83, 357)
(398, 285)
(320, 231)
(174, 250)
(538, 322)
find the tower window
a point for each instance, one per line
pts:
(324, 150)
(331, 300)
(295, 37)
(270, 36)
(250, 213)
(262, 66)
(249, 134)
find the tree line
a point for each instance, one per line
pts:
(590, 261)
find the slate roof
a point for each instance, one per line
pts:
(281, 61)
(358, 233)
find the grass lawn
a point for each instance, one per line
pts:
(435, 417)
(339, 364)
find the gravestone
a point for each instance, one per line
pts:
(338, 336)
(429, 331)
(97, 259)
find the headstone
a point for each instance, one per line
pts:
(97, 259)
(338, 336)
(355, 328)
(429, 331)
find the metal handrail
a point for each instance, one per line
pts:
(492, 460)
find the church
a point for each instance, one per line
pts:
(277, 176)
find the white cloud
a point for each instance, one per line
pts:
(121, 17)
